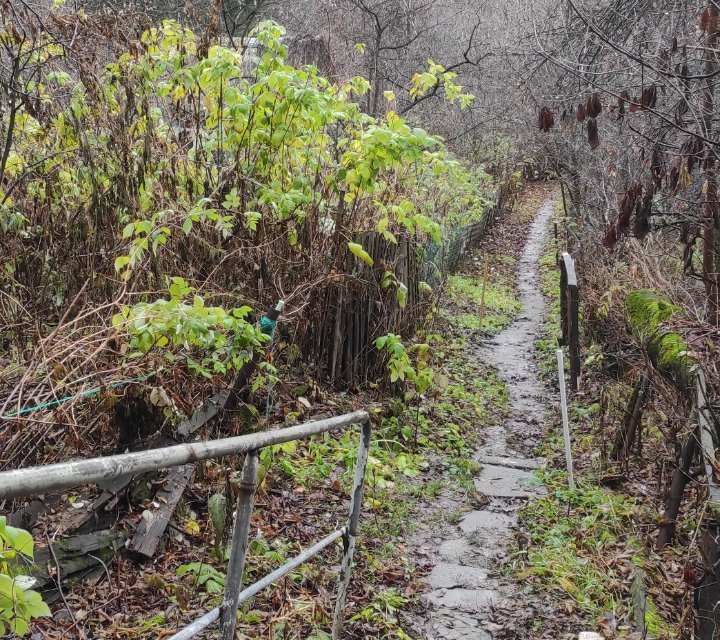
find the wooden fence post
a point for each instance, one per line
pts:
(570, 316)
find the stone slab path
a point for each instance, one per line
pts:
(467, 592)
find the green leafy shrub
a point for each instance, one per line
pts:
(19, 604)
(170, 160)
(224, 340)
(419, 375)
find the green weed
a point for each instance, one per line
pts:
(501, 305)
(573, 540)
(382, 612)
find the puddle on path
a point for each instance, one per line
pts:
(468, 598)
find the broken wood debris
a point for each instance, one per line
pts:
(153, 524)
(73, 559)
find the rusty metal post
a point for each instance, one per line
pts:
(241, 531)
(352, 529)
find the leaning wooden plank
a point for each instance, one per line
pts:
(638, 591)
(633, 415)
(207, 411)
(88, 543)
(98, 512)
(152, 527)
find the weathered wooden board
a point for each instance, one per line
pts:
(154, 522)
(73, 558)
(201, 416)
(707, 439)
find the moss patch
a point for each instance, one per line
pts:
(647, 313)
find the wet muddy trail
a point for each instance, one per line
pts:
(468, 596)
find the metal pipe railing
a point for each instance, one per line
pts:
(65, 475)
(211, 616)
(70, 474)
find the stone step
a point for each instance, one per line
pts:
(479, 520)
(504, 482)
(448, 575)
(528, 464)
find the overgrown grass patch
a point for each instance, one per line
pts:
(547, 344)
(578, 541)
(500, 304)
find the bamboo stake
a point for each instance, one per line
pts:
(565, 420)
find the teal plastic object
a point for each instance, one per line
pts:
(269, 321)
(267, 325)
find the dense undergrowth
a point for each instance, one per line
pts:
(419, 444)
(181, 190)
(156, 195)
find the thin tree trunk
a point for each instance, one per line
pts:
(711, 261)
(626, 434)
(677, 490)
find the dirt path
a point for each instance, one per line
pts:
(468, 596)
